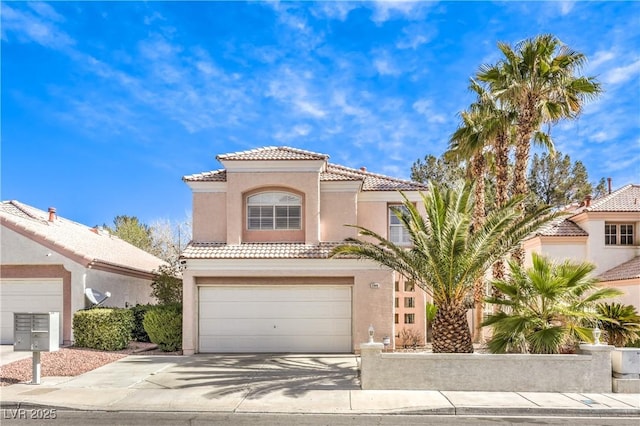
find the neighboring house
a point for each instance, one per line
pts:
(47, 262)
(603, 231)
(258, 277)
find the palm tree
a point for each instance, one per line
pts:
(538, 81)
(620, 323)
(546, 307)
(446, 258)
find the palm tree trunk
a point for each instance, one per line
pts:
(501, 148)
(524, 133)
(451, 332)
(478, 168)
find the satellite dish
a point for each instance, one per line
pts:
(96, 297)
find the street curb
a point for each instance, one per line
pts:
(445, 411)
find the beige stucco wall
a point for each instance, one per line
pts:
(209, 216)
(337, 209)
(370, 306)
(125, 290)
(557, 248)
(631, 290)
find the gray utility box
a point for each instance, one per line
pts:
(36, 332)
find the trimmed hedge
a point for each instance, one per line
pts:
(139, 311)
(163, 324)
(107, 329)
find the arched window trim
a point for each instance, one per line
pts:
(274, 211)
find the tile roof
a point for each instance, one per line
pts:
(332, 172)
(273, 153)
(371, 181)
(75, 238)
(627, 271)
(212, 176)
(561, 227)
(625, 199)
(196, 250)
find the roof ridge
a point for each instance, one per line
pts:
(380, 175)
(607, 197)
(229, 156)
(24, 208)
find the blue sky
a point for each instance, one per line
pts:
(106, 105)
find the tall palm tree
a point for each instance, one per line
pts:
(548, 307)
(538, 80)
(446, 258)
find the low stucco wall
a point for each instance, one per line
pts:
(589, 371)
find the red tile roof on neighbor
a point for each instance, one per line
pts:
(625, 199)
(333, 172)
(561, 227)
(258, 251)
(74, 239)
(629, 270)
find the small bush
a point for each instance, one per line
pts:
(167, 285)
(107, 329)
(163, 324)
(139, 311)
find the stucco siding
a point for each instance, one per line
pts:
(209, 216)
(337, 210)
(125, 291)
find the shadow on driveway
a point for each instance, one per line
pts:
(256, 375)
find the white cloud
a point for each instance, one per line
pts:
(28, 27)
(385, 66)
(600, 57)
(415, 35)
(391, 9)
(334, 9)
(425, 107)
(622, 74)
(566, 7)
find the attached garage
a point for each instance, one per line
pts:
(272, 318)
(28, 295)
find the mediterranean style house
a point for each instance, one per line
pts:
(258, 277)
(604, 232)
(48, 262)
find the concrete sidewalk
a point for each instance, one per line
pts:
(315, 384)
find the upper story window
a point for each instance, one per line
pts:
(398, 234)
(618, 234)
(274, 211)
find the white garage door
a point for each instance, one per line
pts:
(275, 319)
(39, 295)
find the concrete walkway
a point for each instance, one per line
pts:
(320, 384)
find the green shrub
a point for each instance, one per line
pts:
(163, 324)
(139, 311)
(107, 329)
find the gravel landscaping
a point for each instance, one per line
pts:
(66, 362)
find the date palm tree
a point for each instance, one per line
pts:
(546, 307)
(538, 80)
(446, 258)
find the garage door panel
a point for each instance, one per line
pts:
(272, 293)
(27, 296)
(279, 327)
(276, 344)
(275, 319)
(271, 309)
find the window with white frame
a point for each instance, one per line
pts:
(618, 234)
(274, 211)
(398, 234)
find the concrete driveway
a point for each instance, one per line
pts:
(256, 374)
